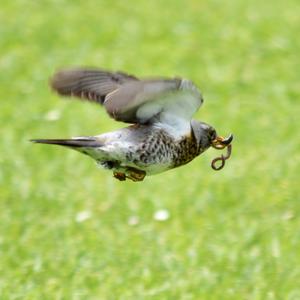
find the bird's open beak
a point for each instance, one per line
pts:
(220, 143)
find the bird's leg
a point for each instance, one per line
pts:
(120, 176)
(135, 174)
(130, 173)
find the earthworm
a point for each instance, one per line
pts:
(222, 158)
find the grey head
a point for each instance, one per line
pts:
(204, 134)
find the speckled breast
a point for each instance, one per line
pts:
(161, 148)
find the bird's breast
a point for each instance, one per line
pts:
(161, 149)
(186, 150)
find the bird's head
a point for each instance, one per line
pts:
(206, 136)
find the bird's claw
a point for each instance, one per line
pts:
(131, 173)
(136, 175)
(120, 176)
(221, 143)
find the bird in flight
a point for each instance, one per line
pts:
(162, 134)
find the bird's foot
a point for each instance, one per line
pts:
(135, 174)
(131, 173)
(120, 176)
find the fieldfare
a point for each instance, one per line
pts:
(162, 134)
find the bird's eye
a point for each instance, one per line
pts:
(212, 134)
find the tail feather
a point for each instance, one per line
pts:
(73, 143)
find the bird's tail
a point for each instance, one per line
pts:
(85, 142)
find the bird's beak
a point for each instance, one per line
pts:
(220, 143)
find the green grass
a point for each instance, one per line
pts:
(232, 234)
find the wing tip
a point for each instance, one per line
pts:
(62, 81)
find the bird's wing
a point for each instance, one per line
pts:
(167, 102)
(170, 102)
(88, 84)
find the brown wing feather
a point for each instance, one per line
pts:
(128, 99)
(88, 84)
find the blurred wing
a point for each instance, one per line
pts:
(171, 102)
(88, 84)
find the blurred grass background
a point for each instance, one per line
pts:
(70, 231)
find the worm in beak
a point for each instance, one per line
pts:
(221, 143)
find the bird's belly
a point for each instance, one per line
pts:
(152, 169)
(120, 159)
(150, 165)
(127, 167)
